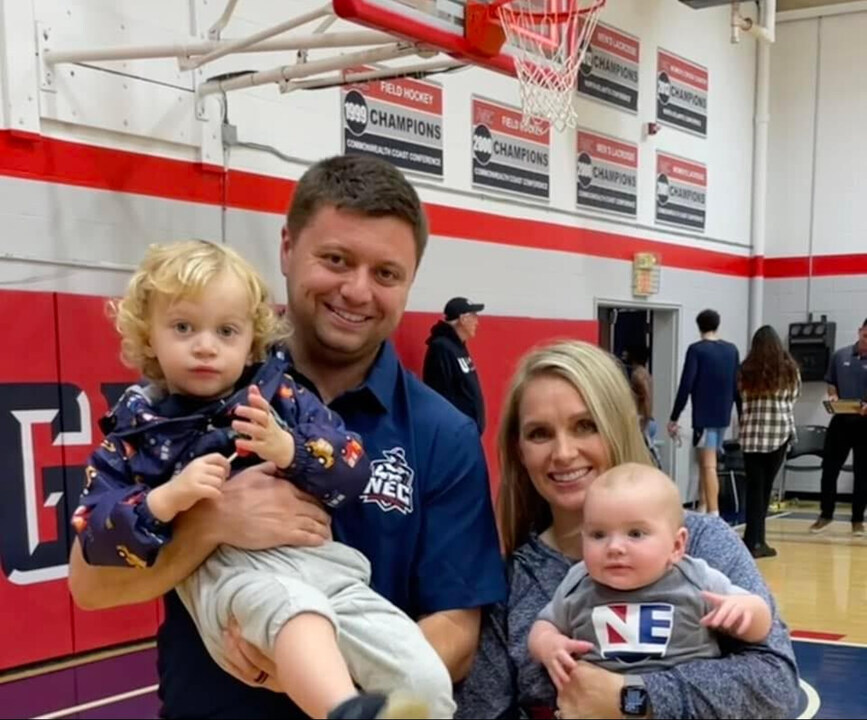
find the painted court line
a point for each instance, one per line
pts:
(829, 642)
(813, 701)
(98, 703)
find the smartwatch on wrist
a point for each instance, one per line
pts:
(633, 697)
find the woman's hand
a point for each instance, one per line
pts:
(592, 692)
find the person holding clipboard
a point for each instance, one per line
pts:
(847, 400)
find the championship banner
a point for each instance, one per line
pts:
(681, 93)
(681, 192)
(399, 120)
(607, 174)
(609, 71)
(507, 156)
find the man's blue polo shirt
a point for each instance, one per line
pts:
(425, 522)
(848, 373)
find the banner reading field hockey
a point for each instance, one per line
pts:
(681, 192)
(607, 174)
(609, 71)
(681, 93)
(399, 120)
(507, 156)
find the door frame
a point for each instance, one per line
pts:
(666, 355)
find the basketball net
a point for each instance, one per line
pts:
(548, 40)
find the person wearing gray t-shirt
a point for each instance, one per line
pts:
(637, 603)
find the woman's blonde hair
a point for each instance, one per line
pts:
(183, 270)
(602, 384)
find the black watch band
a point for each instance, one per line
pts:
(634, 701)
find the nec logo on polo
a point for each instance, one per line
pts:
(632, 632)
(390, 484)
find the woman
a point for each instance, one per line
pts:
(568, 417)
(770, 384)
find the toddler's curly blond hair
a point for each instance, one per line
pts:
(182, 270)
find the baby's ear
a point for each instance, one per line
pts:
(680, 540)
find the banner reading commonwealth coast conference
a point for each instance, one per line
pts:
(507, 156)
(681, 192)
(609, 71)
(399, 120)
(681, 93)
(607, 174)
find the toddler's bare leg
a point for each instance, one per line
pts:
(310, 667)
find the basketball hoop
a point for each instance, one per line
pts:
(547, 41)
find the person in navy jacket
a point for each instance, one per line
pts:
(448, 366)
(709, 379)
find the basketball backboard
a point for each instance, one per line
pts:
(439, 23)
(541, 42)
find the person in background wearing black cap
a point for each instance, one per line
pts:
(448, 367)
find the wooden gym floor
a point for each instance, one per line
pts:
(820, 581)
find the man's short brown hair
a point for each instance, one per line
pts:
(361, 184)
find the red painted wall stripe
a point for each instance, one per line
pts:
(59, 161)
(823, 266)
(473, 225)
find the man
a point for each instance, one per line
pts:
(710, 378)
(448, 367)
(351, 245)
(847, 380)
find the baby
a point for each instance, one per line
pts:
(637, 603)
(196, 323)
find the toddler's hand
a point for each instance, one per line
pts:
(262, 434)
(199, 480)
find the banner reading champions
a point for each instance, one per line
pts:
(507, 156)
(609, 71)
(399, 120)
(681, 192)
(681, 93)
(607, 174)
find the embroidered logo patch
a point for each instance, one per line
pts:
(390, 484)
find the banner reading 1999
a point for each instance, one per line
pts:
(399, 120)
(681, 192)
(507, 155)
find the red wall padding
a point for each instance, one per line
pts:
(60, 365)
(496, 349)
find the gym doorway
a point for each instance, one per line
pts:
(623, 326)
